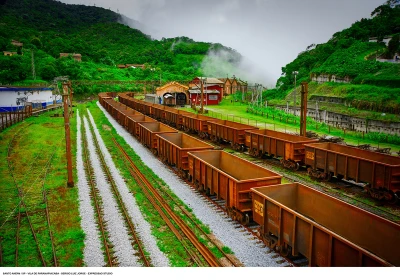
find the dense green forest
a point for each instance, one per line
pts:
(48, 28)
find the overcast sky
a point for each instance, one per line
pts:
(269, 33)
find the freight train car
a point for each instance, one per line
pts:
(134, 121)
(173, 117)
(289, 148)
(380, 172)
(173, 149)
(148, 132)
(230, 178)
(228, 131)
(296, 219)
(196, 123)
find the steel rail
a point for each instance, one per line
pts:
(189, 216)
(94, 197)
(127, 218)
(47, 211)
(207, 254)
(20, 195)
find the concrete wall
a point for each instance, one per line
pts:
(323, 78)
(10, 96)
(348, 122)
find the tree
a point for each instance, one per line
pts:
(394, 45)
(36, 42)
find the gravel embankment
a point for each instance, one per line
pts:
(114, 224)
(92, 253)
(246, 249)
(142, 227)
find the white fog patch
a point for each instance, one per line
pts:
(223, 63)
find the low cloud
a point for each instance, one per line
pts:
(224, 63)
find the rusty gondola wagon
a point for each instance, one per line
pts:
(173, 149)
(229, 131)
(148, 132)
(287, 147)
(297, 220)
(230, 178)
(380, 172)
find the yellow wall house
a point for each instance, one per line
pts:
(173, 93)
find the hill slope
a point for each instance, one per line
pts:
(48, 28)
(349, 54)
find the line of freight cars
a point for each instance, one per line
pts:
(294, 219)
(380, 173)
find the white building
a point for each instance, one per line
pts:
(14, 98)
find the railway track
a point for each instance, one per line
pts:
(136, 240)
(182, 230)
(28, 198)
(96, 201)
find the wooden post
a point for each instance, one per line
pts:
(202, 95)
(70, 182)
(303, 112)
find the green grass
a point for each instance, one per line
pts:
(43, 138)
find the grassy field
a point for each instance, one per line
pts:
(39, 147)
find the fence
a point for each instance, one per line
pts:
(7, 119)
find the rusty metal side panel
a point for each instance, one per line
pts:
(232, 194)
(331, 162)
(272, 223)
(341, 165)
(280, 148)
(287, 228)
(320, 248)
(191, 166)
(209, 180)
(258, 210)
(289, 151)
(320, 157)
(215, 183)
(352, 167)
(197, 167)
(344, 255)
(302, 238)
(272, 147)
(223, 186)
(204, 174)
(366, 171)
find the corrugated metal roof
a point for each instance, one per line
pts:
(207, 91)
(211, 80)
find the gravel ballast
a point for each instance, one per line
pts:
(92, 253)
(249, 251)
(142, 227)
(114, 223)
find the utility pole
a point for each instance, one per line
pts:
(295, 73)
(66, 87)
(202, 95)
(33, 66)
(303, 109)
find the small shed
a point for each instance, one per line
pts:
(9, 53)
(151, 98)
(173, 93)
(15, 98)
(75, 56)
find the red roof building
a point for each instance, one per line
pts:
(213, 90)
